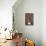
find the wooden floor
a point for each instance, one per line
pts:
(9, 43)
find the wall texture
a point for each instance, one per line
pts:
(29, 32)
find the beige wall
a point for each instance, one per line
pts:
(30, 32)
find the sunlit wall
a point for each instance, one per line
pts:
(6, 13)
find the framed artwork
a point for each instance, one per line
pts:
(28, 18)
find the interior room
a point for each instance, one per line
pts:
(22, 22)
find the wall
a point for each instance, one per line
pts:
(43, 22)
(6, 13)
(29, 32)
